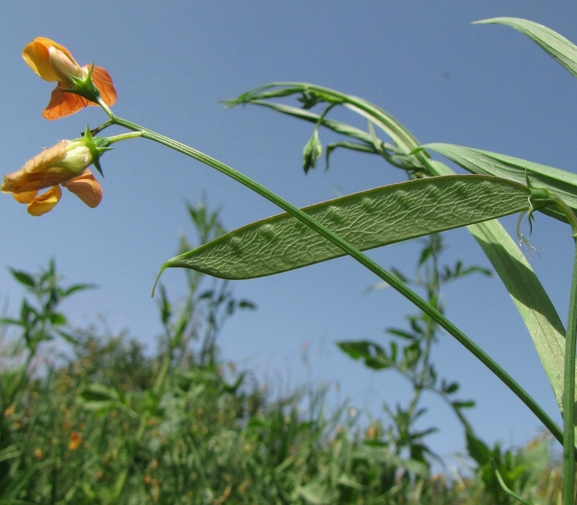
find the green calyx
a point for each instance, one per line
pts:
(84, 86)
(97, 146)
(541, 197)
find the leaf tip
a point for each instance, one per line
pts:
(162, 269)
(486, 21)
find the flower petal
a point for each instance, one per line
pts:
(63, 104)
(46, 158)
(63, 67)
(45, 202)
(25, 197)
(86, 187)
(103, 82)
(37, 56)
(40, 172)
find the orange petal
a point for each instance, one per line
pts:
(46, 42)
(63, 104)
(36, 55)
(25, 197)
(45, 202)
(45, 158)
(16, 183)
(86, 187)
(103, 82)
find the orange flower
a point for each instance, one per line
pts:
(66, 164)
(77, 86)
(75, 441)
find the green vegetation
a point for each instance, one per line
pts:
(105, 423)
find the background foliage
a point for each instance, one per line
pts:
(100, 421)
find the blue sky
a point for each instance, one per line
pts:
(443, 78)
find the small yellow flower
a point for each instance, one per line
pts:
(66, 164)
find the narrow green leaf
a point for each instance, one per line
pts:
(57, 319)
(477, 161)
(99, 392)
(23, 278)
(528, 294)
(347, 481)
(78, 287)
(336, 126)
(451, 388)
(504, 486)
(557, 46)
(69, 338)
(15, 486)
(477, 449)
(394, 352)
(404, 141)
(247, 304)
(401, 333)
(316, 493)
(372, 354)
(469, 404)
(367, 220)
(357, 349)
(9, 320)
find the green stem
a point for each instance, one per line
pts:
(123, 136)
(569, 368)
(569, 371)
(107, 109)
(403, 138)
(357, 255)
(570, 348)
(159, 382)
(569, 395)
(433, 291)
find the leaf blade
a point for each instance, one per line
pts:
(554, 44)
(369, 219)
(530, 298)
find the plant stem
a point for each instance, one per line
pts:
(569, 395)
(123, 136)
(357, 255)
(569, 372)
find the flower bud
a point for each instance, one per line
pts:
(312, 150)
